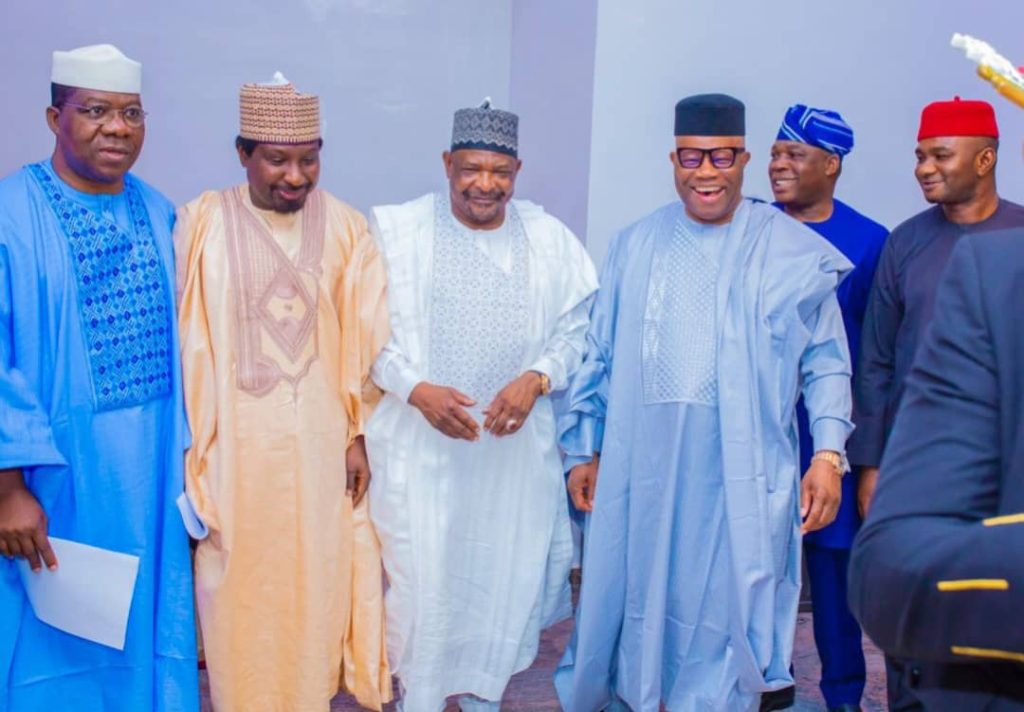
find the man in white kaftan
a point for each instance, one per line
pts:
(488, 302)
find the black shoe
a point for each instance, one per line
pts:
(845, 707)
(778, 699)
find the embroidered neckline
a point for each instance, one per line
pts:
(479, 313)
(262, 272)
(679, 359)
(123, 296)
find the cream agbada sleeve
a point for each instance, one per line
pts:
(365, 329)
(197, 361)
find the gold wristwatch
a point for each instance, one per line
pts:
(833, 458)
(545, 383)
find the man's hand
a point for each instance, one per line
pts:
(821, 492)
(583, 484)
(511, 407)
(357, 471)
(866, 489)
(23, 523)
(444, 408)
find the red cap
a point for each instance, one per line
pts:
(958, 118)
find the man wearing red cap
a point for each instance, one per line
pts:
(956, 160)
(938, 577)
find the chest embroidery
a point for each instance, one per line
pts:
(123, 296)
(276, 298)
(479, 314)
(679, 349)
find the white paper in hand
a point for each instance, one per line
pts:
(90, 593)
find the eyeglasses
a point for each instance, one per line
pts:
(720, 157)
(100, 114)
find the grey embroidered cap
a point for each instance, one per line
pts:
(486, 129)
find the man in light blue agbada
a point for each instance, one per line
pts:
(714, 315)
(92, 427)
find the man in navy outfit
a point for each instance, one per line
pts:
(958, 143)
(937, 572)
(806, 162)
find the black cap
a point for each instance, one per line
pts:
(710, 115)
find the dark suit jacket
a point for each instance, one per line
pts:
(937, 572)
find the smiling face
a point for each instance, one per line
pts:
(281, 176)
(710, 194)
(802, 175)
(93, 157)
(481, 184)
(952, 169)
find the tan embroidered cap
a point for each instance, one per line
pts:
(276, 113)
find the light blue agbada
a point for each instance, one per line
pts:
(91, 410)
(700, 343)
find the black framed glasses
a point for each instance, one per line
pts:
(102, 114)
(721, 158)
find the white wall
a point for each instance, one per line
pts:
(389, 73)
(594, 81)
(878, 62)
(552, 89)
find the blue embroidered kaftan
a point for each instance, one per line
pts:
(91, 411)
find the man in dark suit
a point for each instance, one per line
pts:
(956, 153)
(937, 571)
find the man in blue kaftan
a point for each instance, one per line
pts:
(92, 429)
(713, 316)
(806, 162)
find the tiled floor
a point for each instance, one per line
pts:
(531, 690)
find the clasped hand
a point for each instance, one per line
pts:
(445, 408)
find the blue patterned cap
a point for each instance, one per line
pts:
(817, 127)
(486, 129)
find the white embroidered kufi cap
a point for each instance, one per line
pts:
(102, 67)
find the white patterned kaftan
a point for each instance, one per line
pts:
(475, 535)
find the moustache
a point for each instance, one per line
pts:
(292, 188)
(496, 195)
